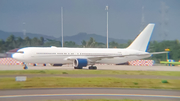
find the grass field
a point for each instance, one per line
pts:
(100, 72)
(63, 82)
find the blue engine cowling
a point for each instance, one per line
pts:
(80, 63)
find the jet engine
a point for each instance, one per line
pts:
(80, 63)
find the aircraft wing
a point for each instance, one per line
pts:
(112, 56)
(95, 58)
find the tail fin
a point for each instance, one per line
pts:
(142, 40)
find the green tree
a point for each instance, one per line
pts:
(27, 41)
(100, 45)
(154, 46)
(52, 43)
(41, 41)
(113, 44)
(35, 42)
(70, 44)
(2, 45)
(19, 42)
(91, 43)
(11, 41)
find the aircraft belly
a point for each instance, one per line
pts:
(113, 61)
(62, 59)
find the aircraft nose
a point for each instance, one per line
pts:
(14, 56)
(18, 56)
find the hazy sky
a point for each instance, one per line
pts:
(43, 17)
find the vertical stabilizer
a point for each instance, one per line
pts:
(142, 40)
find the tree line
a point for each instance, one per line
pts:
(17, 42)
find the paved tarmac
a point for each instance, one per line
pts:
(88, 93)
(96, 75)
(92, 93)
(101, 67)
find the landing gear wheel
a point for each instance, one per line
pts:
(90, 67)
(78, 67)
(34, 64)
(93, 67)
(25, 67)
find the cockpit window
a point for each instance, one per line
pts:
(20, 52)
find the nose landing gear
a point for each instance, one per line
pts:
(25, 66)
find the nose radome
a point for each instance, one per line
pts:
(17, 56)
(14, 56)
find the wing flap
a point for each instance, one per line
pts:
(112, 56)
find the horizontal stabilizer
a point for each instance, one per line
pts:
(158, 52)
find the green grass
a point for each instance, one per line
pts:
(63, 82)
(101, 100)
(100, 72)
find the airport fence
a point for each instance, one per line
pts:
(11, 61)
(142, 63)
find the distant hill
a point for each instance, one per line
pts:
(76, 38)
(4, 35)
(84, 36)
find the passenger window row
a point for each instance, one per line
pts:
(82, 53)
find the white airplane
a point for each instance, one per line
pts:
(82, 57)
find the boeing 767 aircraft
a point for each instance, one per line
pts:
(82, 57)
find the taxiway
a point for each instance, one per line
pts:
(88, 93)
(100, 67)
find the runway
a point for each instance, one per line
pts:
(100, 67)
(88, 93)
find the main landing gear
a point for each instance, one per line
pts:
(93, 67)
(90, 67)
(78, 67)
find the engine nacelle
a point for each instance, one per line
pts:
(80, 62)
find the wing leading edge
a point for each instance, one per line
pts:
(95, 58)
